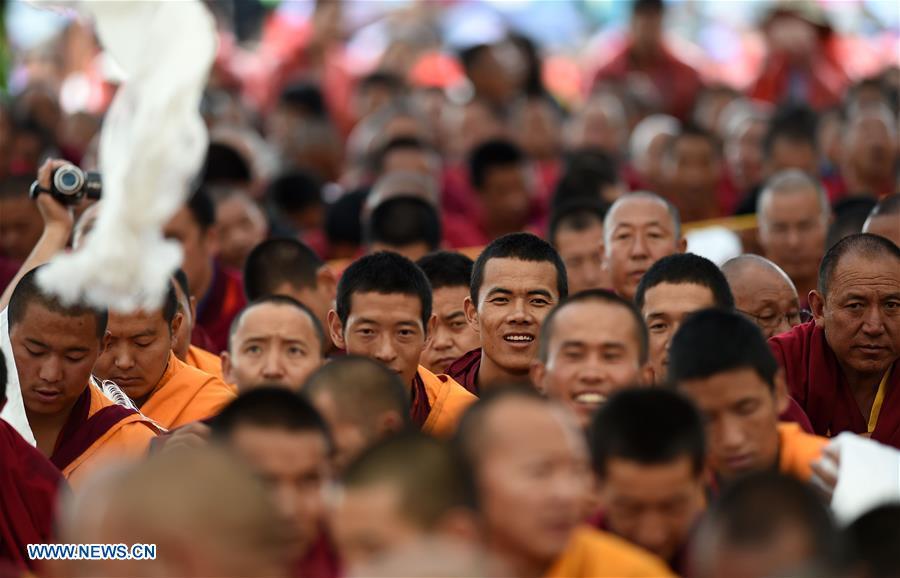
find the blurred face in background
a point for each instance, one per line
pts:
(20, 225)
(240, 226)
(792, 231)
(744, 153)
(692, 169)
(582, 252)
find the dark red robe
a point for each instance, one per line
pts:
(464, 370)
(321, 561)
(215, 312)
(29, 485)
(816, 381)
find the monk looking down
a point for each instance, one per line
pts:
(55, 346)
(763, 292)
(193, 355)
(516, 281)
(383, 311)
(138, 357)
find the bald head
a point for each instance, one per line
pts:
(785, 183)
(763, 291)
(884, 220)
(859, 248)
(207, 515)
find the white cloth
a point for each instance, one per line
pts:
(868, 475)
(14, 411)
(151, 147)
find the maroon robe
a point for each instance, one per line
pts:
(320, 561)
(29, 485)
(419, 407)
(218, 308)
(464, 370)
(816, 381)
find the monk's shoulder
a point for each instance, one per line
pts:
(209, 394)
(606, 555)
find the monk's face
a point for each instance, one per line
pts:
(20, 227)
(199, 248)
(767, 298)
(593, 352)
(294, 464)
(887, 226)
(54, 354)
(792, 233)
(384, 327)
(137, 351)
(513, 300)
(666, 306)
(368, 522)
(453, 336)
(582, 252)
(273, 344)
(741, 412)
(641, 232)
(532, 478)
(861, 313)
(654, 506)
(240, 226)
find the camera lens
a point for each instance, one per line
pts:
(68, 180)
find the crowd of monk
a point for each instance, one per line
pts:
(336, 388)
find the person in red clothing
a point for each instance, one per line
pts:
(842, 367)
(646, 55)
(218, 290)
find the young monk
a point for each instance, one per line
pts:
(287, 443)
(55, 346)
(592, 344)
(383, 311)
(842, 368)
(721, 361)
(29, 486)
(274, 340)
(138, 358)
(651, 471)
(530, 469)
(763, 292)
(181, 340)
(363, 402)
(516, 281)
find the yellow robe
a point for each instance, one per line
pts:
(448, 401)
(595, 554)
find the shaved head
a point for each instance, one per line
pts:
(763, 291)
(884, 220)
(863, 245)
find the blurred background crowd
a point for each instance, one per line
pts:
(412, 125)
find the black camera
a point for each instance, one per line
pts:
(69, 185)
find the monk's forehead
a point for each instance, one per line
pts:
(862, 264)
(48, 319)
(263, 315)
(517, 424)
(641, 210)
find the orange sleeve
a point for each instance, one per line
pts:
(448, 399)
(210, 398)
(798, 451)
(129, 440)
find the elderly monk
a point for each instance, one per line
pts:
(793, 214)
(363, 402)
(205, 514)
(55, 346)
(181, 340)
(639, 230)
(529, 463)
(720, 360)
(516, 280)
(400, 492)
(383, 311)
(285, 441)
(884, 220)
(138, 358)
(842, 368)
(29, 485)
(763, 292)
(593, 344)
(274, 340)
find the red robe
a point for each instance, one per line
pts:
(816, 381)
(224, 299)
(464, 370)
(29, 485)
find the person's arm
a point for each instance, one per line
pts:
(58, 222)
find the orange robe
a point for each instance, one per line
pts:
(798, 450)
(185, 394)
(208, 363)
(99, 431)
(595, 554)
(445, 403)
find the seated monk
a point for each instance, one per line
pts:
(29, 485)
(721, 361)
(529, 463)
(842, 368)
(516, 281)
(203, 511)
(763, 292)
(649, 455)
(383, 311)
(363, 402)
(401, 492)
(586, 354)
(274, 340)
(54, 348)
(138, 358)
(181, 340)
(287, 443)
(672, 289)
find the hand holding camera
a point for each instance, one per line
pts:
(66, 186)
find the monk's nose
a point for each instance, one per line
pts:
(385, 351)
(873, 323)
(51, 371)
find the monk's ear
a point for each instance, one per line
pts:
(429, 330)
(817, 305)
(227, 367)
(336, 329)
(175, 326)
(682, 245)
(461, 524)
(193, 301)
(471, 314)
(781, 392)
(646, 374)
(326, 282)
(536, 373)
(388, 423)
